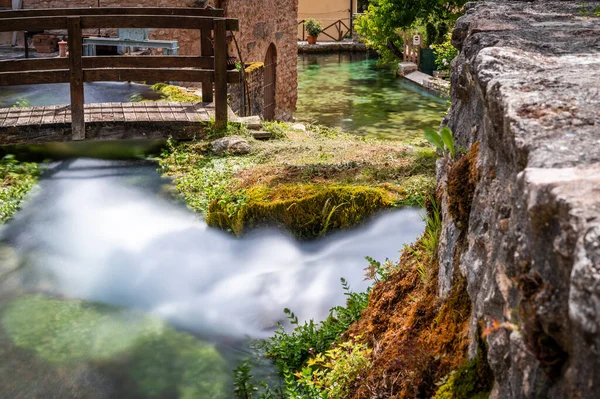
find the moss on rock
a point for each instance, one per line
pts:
(306, 210)
(472, 380)
(462, 180)
(146, 357)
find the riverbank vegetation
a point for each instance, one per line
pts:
(311, 180)
(381, 24)
(398, 339)
(16, 180)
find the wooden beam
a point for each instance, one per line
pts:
(220, 46)
(154, 74)
(113, 21)
(206, 50)
(51, 12)
(34, 64)
(34, 77)
(76, 78)
(37, 23)
(151, 21)
(147, 62)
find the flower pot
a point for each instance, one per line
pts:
(311, 39)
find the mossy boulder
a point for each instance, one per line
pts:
(308, 211)
(142, 355)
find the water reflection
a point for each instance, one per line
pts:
(350, 92)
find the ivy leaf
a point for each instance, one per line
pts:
(434, 138)
(448, 139)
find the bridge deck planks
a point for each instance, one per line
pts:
(107, 121)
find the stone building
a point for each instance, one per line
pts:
(266, 40)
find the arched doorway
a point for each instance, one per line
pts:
(270, 85)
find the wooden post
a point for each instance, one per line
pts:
(220, 73)
(206, 49)
(76, 78)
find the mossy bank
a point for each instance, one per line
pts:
(310, 180)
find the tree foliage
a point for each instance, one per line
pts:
(384, 19)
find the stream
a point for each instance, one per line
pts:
(109, 288)
(108, 234)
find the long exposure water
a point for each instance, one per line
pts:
(109, 288)
(349, 91)
(101, 231)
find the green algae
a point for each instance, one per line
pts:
(156, 360)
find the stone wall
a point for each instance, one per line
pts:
(525, 232)
(262, 22)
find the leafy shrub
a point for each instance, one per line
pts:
(377, 271)
(291, 350)
(445, 53)
(16, 180)
(443, 141)
(331, 374)
(313, 27)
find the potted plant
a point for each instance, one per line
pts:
(314, 29)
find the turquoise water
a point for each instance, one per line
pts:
(349, 91)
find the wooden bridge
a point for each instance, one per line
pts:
(117, 120)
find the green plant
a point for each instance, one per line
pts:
(331, 374)
(313, 27)
(242, 381)
(22, 103)
(276, 128)
(443, 141)
(377, 271)
(16, 180)
(291, 350)
(444, 52)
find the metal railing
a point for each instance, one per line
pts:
(341, 30)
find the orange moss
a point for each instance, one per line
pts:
(462, 180)
(417, 338)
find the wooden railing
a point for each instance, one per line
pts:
(210, 67)
(340, 26)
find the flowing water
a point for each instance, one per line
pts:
(349, 91)
(102, 231)
(57, 94)
(111, 289)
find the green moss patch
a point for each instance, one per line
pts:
(175, 94)
(473, 380)
(306, 210)
(311, 182)
(147, 357)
